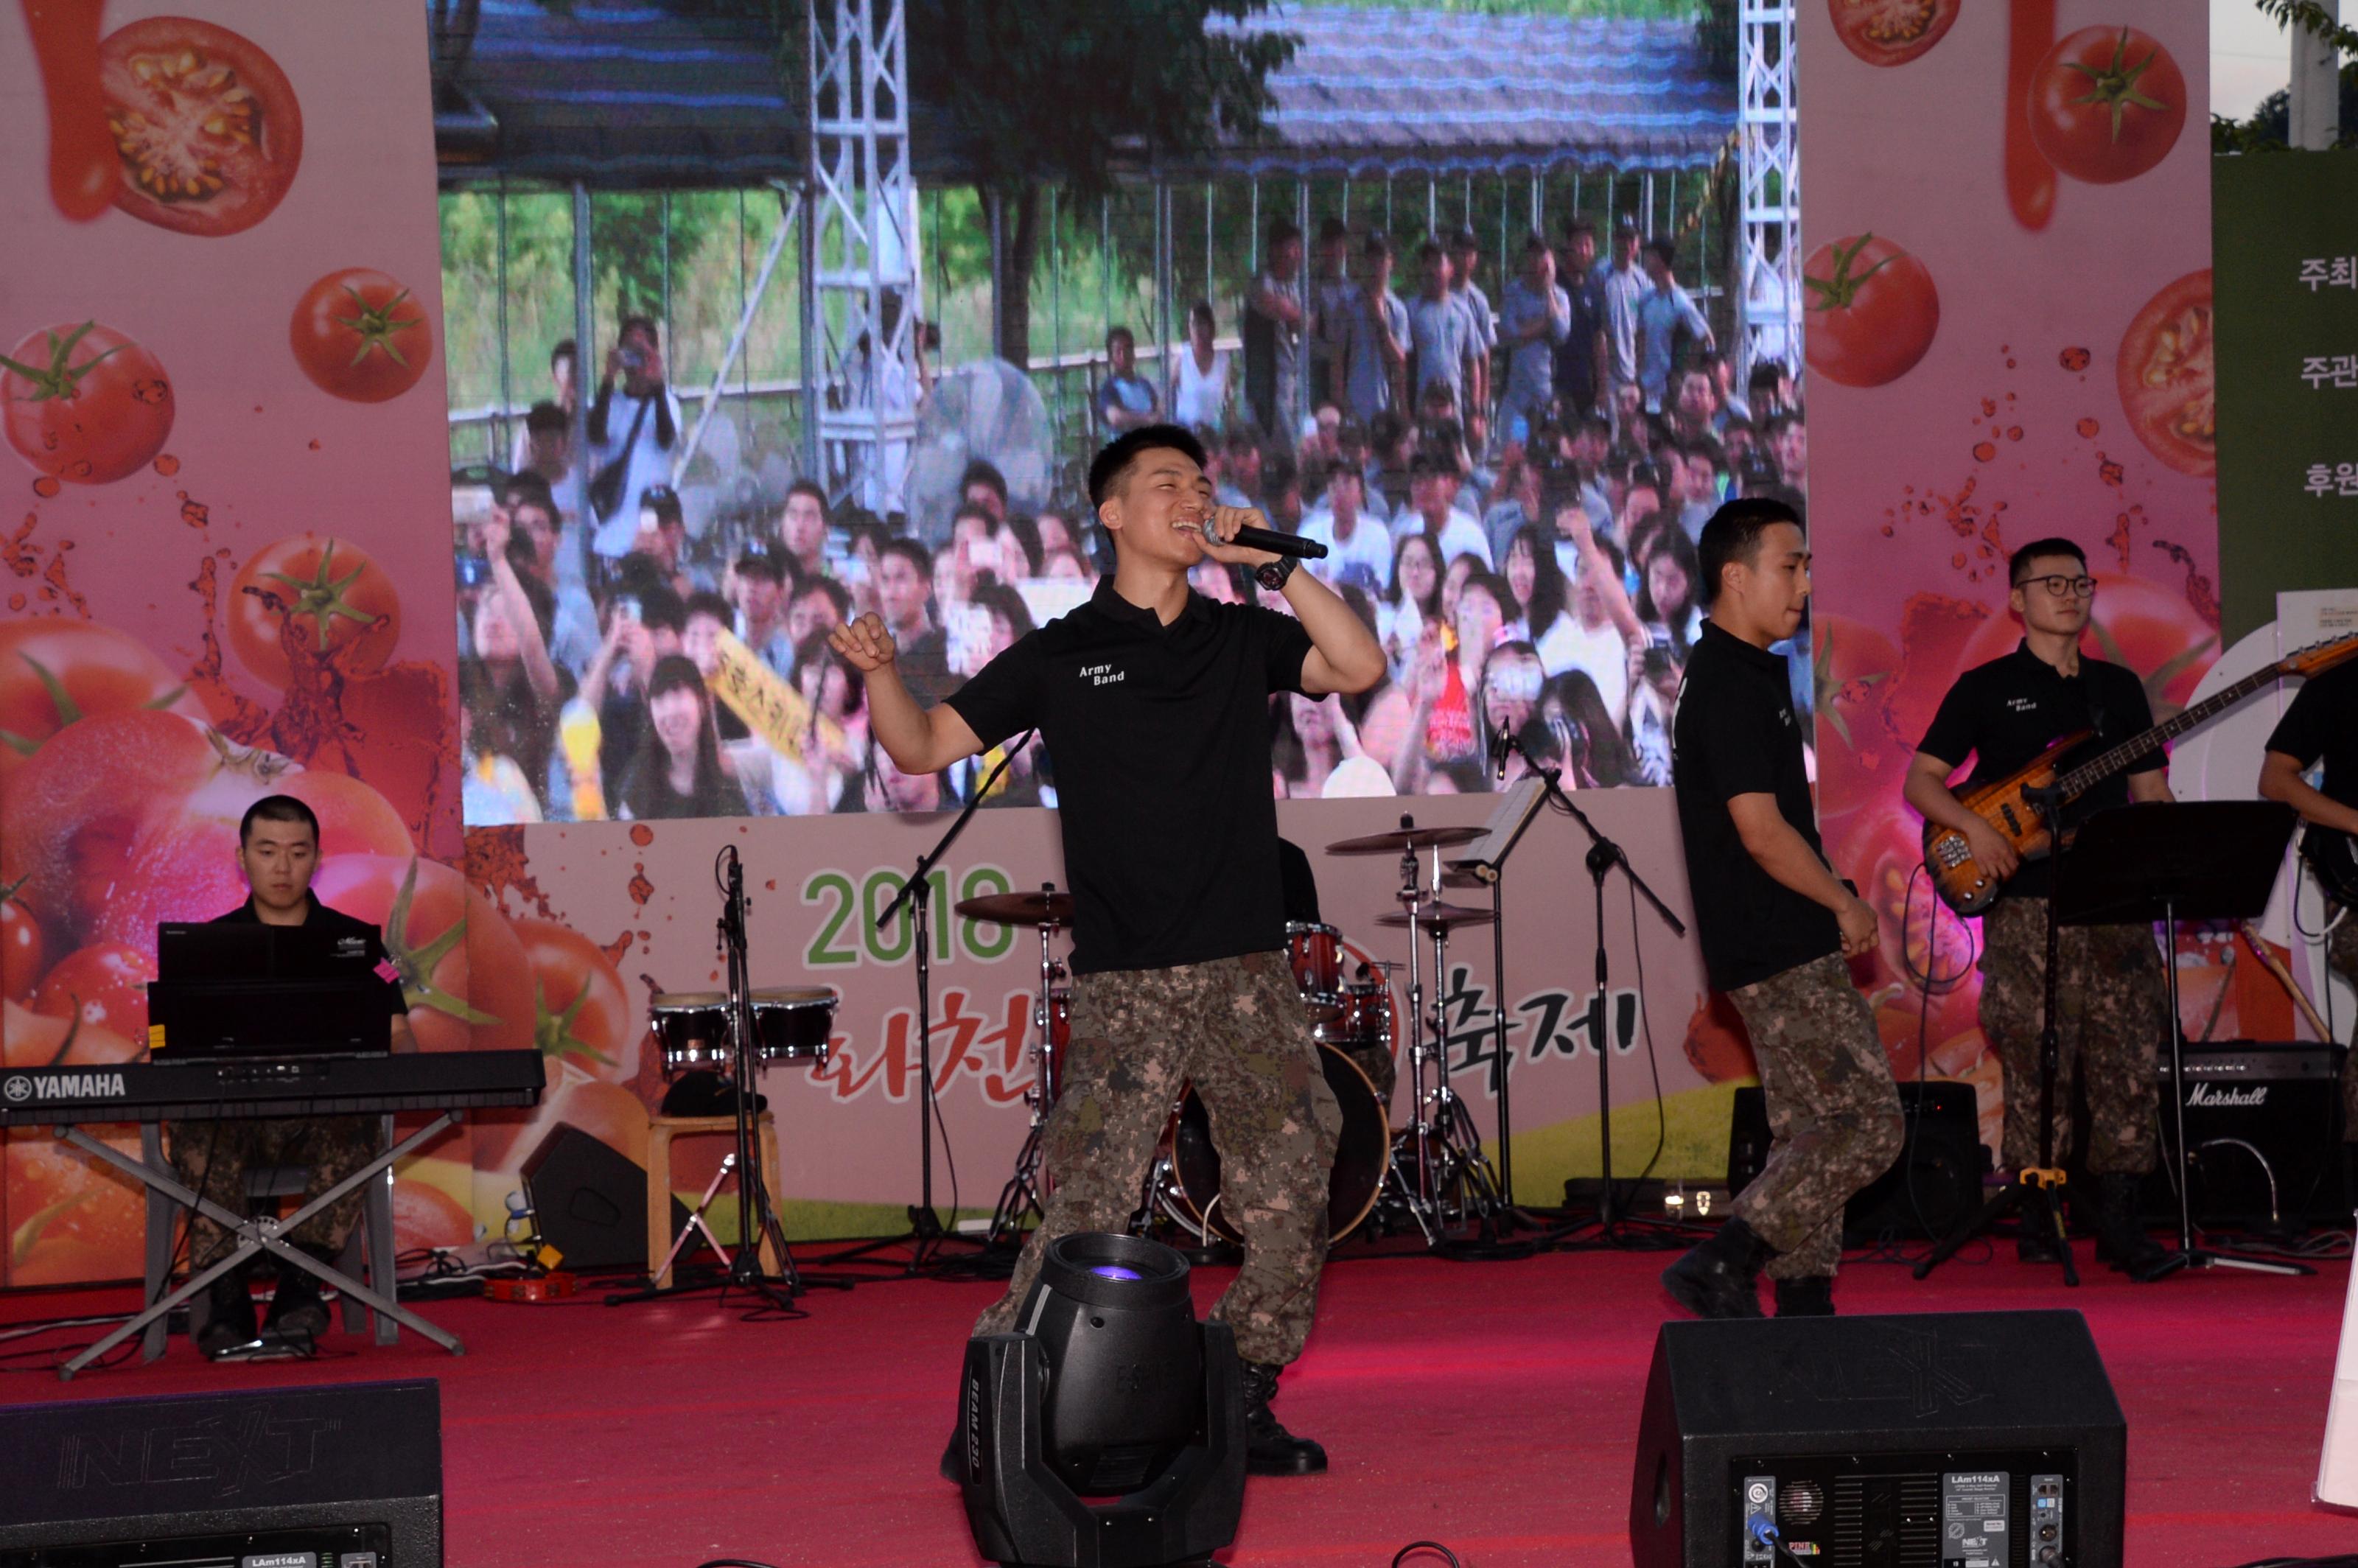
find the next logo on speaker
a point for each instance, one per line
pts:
(225, 1454)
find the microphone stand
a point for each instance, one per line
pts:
(757, 1219)
(925, 1232)
(1604, 855)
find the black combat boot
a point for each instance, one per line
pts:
(295, 1310)
(1270, 1449)
(1812, 1295)
(2121, 1237)
(229, 1316)
(1718, 1278)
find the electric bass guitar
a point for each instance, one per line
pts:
(2023, 805)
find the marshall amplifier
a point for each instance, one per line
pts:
(347, 1476)
(2265, 1119)
(1932, 1440)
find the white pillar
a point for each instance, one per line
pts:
(2315, 123)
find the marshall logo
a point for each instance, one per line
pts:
(2208, 1095)
(23, 1088)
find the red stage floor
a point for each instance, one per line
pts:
(1492, 1407)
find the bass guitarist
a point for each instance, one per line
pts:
(2113, 992)
(2321, 724)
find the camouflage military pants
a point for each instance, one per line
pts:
(2112, 1004)
(1236, 1028)
(214, 1158)
(1833, 1113)
(2341, 953)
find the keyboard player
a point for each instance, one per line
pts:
(278, 850)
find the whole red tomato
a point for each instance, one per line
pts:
(129, 818)
(608, 1112)
(462, 966)
(2106, 104)
(1892, 32)
(2147, 625)
(207, 125)
(85, 404)
(1716, 1044)
(580, 1011)
(70, 1217)
(106, 985)
(340, 603)
(426, 1215)
(1873, 310)
(24, 951)
(360, 335)
(2169, 379)
(55, 670)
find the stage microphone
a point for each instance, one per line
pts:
(1278, 544)
(1501, 745)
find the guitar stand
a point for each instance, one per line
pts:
(258, 1234)
(2035, 1196)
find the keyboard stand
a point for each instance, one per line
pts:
(258, 1234)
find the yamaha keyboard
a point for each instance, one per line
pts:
(225, 1089)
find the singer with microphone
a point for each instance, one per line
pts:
(1153, 703)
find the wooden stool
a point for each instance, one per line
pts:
(661, 1130)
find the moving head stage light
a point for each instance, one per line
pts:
(1108, 1431)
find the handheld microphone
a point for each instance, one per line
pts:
(1501, 745)
(1278, 544)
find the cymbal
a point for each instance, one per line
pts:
(1400, 840)
(1018, 908)
(1444, 915)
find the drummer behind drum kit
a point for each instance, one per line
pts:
(1432, 1173)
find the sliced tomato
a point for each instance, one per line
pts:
(205, 123)
(1892, 32)
(2169, 376)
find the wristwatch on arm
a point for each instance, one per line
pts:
(1271, 575)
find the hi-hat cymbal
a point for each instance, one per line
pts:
(1400, 840)
(1018, 908)
(1444, 915)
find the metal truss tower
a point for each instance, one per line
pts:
(1770, 129)
(860, 259)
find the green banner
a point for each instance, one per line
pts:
(2285, 252)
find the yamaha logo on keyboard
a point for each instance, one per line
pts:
(20, 1088)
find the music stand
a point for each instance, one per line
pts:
(2204, 860)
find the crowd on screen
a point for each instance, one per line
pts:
(1510, 491)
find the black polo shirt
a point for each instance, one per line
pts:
(2003, 713)
(1161, 741)
(2322, 721)
(337, 922)
(1734, 732)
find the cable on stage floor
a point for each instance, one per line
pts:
(1402, 1555)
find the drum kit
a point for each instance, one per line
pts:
(1430, 1173)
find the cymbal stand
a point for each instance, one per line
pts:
(1461, 1167)
(1416, 1196)
(1025, 1194)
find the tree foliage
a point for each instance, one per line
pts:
(1070, 92)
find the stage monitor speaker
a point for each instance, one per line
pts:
(2265, 1118)
(589, 1201)
(349, 1476)
(1940, 1440)
(1933, 1187)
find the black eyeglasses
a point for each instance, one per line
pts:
(2060, 587)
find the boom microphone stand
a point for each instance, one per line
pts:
(1604, 855)
(925, 1232)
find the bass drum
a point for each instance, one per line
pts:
(1361, 1155)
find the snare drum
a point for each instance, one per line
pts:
(790, 1023)
(1316, 953)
